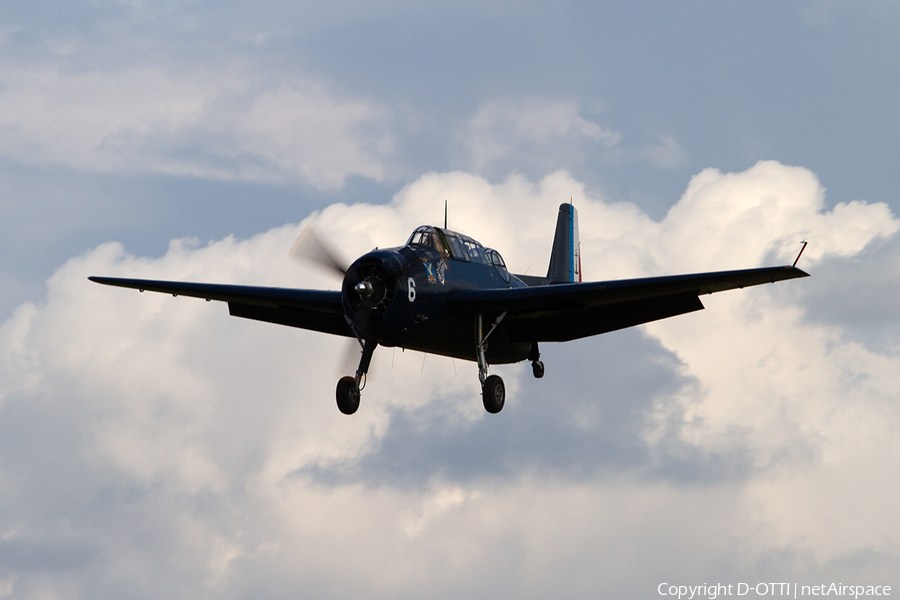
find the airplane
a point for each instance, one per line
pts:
(445, 293)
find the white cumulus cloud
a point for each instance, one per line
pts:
(147, 438)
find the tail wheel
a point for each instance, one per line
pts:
(493, 394)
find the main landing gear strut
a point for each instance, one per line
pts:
(537, 367)
(348, 388)
(493, 392)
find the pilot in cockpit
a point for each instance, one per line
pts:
(439, 245)
(430, 237)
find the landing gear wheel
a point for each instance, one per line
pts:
(493, 394)
(537, 367)
(347, 395)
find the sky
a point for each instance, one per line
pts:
(154, 447)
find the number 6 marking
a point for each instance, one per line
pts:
(411, 295)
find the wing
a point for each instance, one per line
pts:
(557, 313)
(317, 310)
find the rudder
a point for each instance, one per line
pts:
(565, 257)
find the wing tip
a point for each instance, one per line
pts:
(796, 271)
(107, 280)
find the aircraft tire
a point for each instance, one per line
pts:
(493, 394)
(347, 395)
(537, 368)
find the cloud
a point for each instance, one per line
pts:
(252, 94)
(226, 124)
(771, 394)
(539, 133)
(666, 154)
(159, 447)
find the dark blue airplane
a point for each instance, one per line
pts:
(444, 293)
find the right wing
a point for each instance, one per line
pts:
(568, 311)
(317, 310)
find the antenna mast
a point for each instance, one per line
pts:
(445, 214)
(804, 242)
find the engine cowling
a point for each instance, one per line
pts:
(378, 294)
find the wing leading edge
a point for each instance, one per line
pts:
(545, 313)
(317, 310)
(562, 312)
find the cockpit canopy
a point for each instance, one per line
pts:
(455, 245)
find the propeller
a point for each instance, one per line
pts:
(309, 246)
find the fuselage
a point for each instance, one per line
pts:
(401, 296)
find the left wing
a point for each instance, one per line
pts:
(562, 312)
(317, 310)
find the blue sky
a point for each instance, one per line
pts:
(154, 447)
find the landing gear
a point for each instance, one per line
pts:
(347, 395)
(493, 394)
(348, 388)
(537, 367)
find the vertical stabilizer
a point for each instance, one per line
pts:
(565, 258)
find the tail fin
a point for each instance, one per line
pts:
(565, 258)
